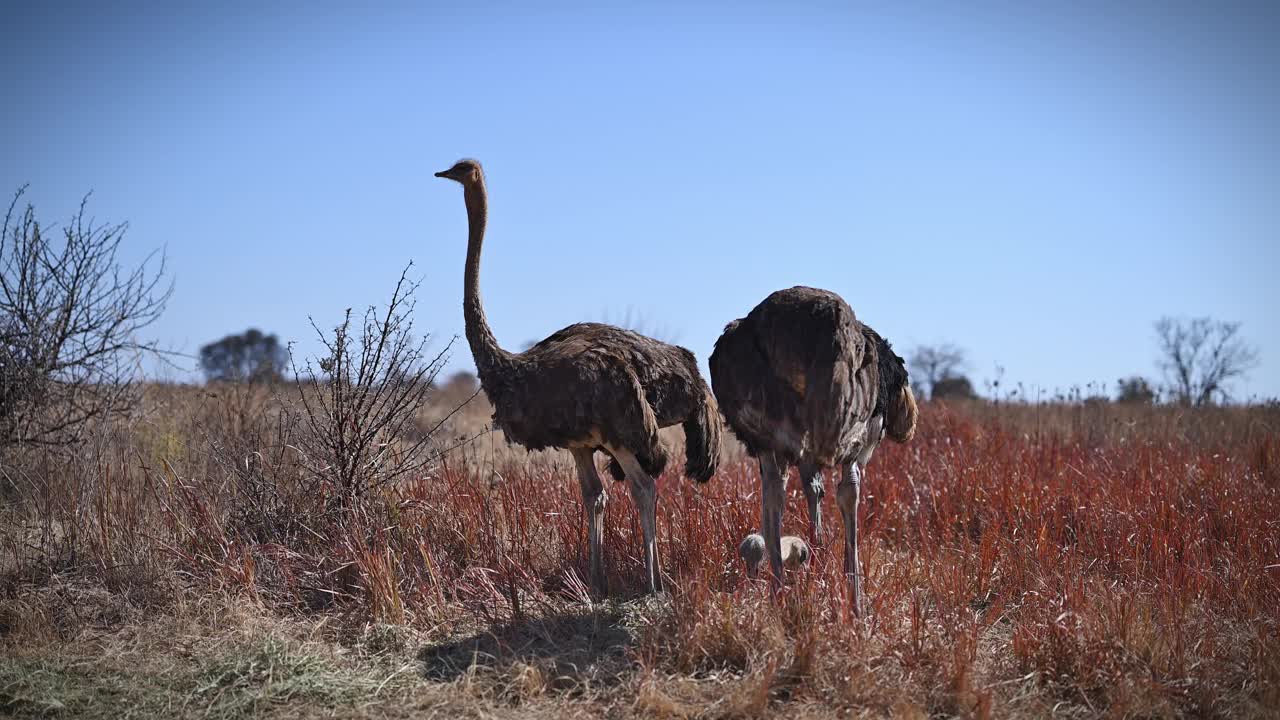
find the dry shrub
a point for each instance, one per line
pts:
(359, 402)
(71, 315)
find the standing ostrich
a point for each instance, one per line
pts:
(591, 387)
(802, 382)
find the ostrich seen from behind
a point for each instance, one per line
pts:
(590, 387)
(802, 382)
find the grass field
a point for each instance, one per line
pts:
(1077, 560)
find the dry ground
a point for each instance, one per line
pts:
(1078, 560)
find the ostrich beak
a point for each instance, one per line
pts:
(443, 174)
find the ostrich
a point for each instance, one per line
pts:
(591, 387)
(802, 382)
(795, 552)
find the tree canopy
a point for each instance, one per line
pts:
(251, 356)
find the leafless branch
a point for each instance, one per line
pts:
(70, 320)
(360, 400)
(932, 364)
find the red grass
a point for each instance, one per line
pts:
(1114, 576)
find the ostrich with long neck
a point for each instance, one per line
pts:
(802, 382)
(591, 387)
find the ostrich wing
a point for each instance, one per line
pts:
(757, 403)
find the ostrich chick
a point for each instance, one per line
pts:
(795, 552)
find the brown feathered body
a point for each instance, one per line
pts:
(801, 378)
(590, 387)
(596, 385)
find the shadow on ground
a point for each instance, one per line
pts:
(567, 649)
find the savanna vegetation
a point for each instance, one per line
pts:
(358, 543)
(1079, 560)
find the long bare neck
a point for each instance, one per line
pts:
(488, 355)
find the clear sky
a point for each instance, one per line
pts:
(1035, 185)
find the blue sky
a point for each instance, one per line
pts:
(1035, 185)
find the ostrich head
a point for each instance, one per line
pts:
(895, 401)
(465, 171)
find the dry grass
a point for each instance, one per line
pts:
(1082, 560)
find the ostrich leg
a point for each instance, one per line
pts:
(773, 495)
(847, 497)
(644, 491)
(812, 481)
(593, 503)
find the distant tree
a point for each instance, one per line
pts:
(953, 387)
(933, 363)
(1200, 356)
(71, 316)
(1135, 390)
(462, 381)
(248, 357)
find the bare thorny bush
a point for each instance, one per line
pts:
(303, 464)
(359, 402)
(312, 467)
(271, 489)
(70, 317)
